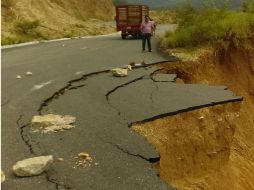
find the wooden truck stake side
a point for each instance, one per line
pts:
(129, 19)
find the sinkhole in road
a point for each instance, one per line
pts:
(208, 148)
(144, 95)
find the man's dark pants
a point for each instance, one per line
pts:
(146, 37)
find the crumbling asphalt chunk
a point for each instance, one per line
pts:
(52, 123)
(168, 98)
(164, 77)
(119, 72)
(69, 86)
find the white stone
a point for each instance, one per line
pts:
(18, 77)
(28, 73)
(129, 67)
(118, 72)
(52, 123)
(2, 176)
(60, 159)
(32, 166)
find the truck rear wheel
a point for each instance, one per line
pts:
(123, 35)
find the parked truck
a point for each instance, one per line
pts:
(129, 18)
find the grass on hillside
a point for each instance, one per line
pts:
(25, 31)
(8, 3)
(210, 25)
(164, 16)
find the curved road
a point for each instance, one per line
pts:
(104, 107)
(52, 65)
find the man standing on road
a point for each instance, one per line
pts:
(147, 29)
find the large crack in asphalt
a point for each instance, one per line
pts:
(122, 86)
(150, 160)
(107, 95)
(58, 185)
(71, 86)
(192, 108)
(66, 88)
(154, 83)
(27, 140)
(24, 136)
(23, 127)
(110, 92)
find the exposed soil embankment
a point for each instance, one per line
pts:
(210, 148)
(26, 20)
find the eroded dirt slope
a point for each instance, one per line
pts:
(55, 18)
(210, 148)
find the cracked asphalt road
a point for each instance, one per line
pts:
(105, 108)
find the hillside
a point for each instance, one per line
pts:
(25, 20)
(235, 4)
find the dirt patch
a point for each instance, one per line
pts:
(210, 148)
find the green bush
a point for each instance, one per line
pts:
(24, 31)
(7, 41)
(248, 6)
(26, 27)
(210, 25)
(15, 40)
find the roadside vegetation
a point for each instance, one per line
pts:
(25, 31)
(23, 21)
(211, 25)
(164, 16)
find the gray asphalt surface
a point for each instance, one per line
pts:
(104, 106)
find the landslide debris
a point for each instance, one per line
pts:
(32, 166)
(210, 148)
(119, 72)
(84, 160)
(52, 123)
(28, 73)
